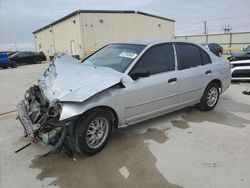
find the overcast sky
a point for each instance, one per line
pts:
(19, 18)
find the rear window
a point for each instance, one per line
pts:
(205, 57)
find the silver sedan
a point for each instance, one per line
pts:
(76, 105)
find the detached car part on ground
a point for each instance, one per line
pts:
(76, 105)
(240, 70)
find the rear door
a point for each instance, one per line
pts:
(194, 70)
(156, 94)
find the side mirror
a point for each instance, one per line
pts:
(139, 74)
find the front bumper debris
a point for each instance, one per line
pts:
(26, 121)
(41, 123)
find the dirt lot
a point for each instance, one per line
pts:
(188, 148)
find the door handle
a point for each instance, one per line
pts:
(208, 72)
(172, 80)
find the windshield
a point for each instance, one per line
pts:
(115, 56)
(247, 48)
(14, 54)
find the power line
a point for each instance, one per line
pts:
(227, 28)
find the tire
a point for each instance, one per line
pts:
(210, 97)
(37, 61)
(5, 66)
(13, 64)
(88, 126)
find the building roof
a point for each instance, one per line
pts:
(100, 11)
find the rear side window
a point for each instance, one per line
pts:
(188, 56)
(205, 57)
(157, 59)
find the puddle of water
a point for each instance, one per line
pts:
(102, 169)
(224, 113)
(180, 124)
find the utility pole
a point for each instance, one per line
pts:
(205, 27)
(15, 46)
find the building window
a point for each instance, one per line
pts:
(101, 20)
(74, 21)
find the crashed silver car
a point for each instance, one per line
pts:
(77, 105)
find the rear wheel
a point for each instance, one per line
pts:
(210, 97)
(93, 131)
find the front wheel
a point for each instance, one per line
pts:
(93, 131)
(5, 66)
(13, 64)
(210, 97)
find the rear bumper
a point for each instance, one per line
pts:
(26, 121)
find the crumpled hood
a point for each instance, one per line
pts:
(68, 80)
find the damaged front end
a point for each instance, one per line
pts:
(40, 118)
(50, 108)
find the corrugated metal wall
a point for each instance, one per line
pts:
(229, 41)
(87, 32)
(100, 29)
(59, 37)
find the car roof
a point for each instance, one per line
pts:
(151, 42)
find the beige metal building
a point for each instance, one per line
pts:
(84, 31)
(229, 41)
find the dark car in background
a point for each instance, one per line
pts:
(242, 55)
(213, 47)
(27, 57)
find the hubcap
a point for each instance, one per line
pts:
(97, 132)
(212, 96)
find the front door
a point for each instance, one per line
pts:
(151, 96)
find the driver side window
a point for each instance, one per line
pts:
(157, 59)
